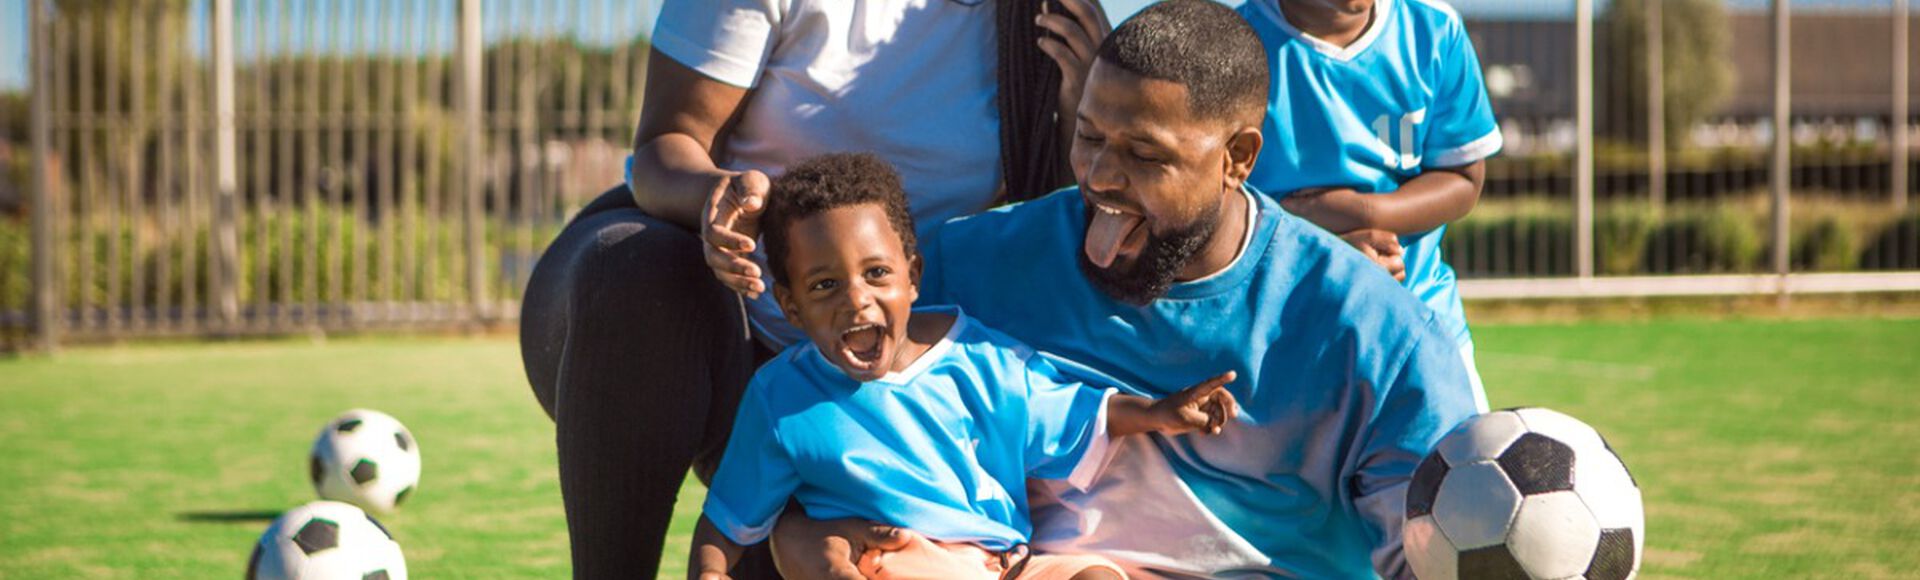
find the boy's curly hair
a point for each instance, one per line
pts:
(830, 181)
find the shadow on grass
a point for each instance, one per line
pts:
(228, 517)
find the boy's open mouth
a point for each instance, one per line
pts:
(864, 344)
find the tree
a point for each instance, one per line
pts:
(1697, 74)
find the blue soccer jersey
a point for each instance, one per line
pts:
(943, 448)
(1345, 383)
(1405, 97)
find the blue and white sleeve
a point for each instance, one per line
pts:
(756, 476)
(1461, 125)
(726, 40)
(1066, 422)
(1426, 398)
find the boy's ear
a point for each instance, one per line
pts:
(914, 266)
(785, 299)
(1243, 148)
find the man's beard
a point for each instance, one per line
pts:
(1159, 264)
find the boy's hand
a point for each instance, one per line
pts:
(1383, 247)
(1335, 209)
(730, 225)
(1205, 407)
(806, 549)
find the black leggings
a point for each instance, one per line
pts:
(637, 354)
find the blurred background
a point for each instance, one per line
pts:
(1676, 174)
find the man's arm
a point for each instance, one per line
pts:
(1425, 398)
(1434, 198)
(713, 554)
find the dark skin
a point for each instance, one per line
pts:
(685, 117)
(1373, 223)
(1140, 150)
(850, 285)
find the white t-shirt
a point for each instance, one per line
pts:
(910, 80)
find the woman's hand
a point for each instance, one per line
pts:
(1075, 40)
(730, 226)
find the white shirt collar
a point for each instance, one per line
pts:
(1381, 10)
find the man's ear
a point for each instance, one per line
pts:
(1243, 148)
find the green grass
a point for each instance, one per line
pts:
(1766, 449)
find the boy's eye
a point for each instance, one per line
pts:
(827, 284)
(879, 272)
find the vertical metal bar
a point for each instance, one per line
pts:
(142, 124)
(1656, 104)
(45, 322)
(1782, 134)
(1583, 127)
(116, 163)
(472, 165)
(226, 167)
(392, 125)
(166, 182)
(1898, 127)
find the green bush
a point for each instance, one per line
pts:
(1826, 246)
(1525, 244)
(1721, 239)
(1620, 238)
(16, 256)
(1896, 247)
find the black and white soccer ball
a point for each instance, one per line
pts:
(1527, 494)
(325, 540)
(365, 458)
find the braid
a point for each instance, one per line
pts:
(1032, 158)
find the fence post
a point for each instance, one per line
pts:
(46, 311)
(1782, 136)
(471, 101)
(1583, 128)
(1656, 104)
(1898, 127)
(226, 171)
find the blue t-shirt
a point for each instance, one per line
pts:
(1405, 97)
(943, 448)
(1345, 383)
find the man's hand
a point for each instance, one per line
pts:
(1335, 209)
(805, 549)
(1381, 246)
(1076, 38)
(730, 226)
(1204, 407)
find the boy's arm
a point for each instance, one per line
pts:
(1434, 198)
(713, 554)
(1205, 407)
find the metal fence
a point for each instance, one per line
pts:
(211, 167)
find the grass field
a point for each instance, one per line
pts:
(1766, 449)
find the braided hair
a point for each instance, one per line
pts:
(1032, 158)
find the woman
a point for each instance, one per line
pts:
(623, 315)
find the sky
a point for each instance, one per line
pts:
(337, 22)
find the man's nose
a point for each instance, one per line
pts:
(1102, 175)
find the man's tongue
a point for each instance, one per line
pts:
(1108, 234)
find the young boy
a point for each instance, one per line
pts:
(923, 419)
(1378, 132)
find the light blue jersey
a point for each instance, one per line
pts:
(943, 448)
(1405, 97)
(1345, 383)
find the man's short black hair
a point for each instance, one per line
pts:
(1206, 47)
(831, 181)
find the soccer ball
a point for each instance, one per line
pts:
(326, 540)
(365, 458)
(1523, 493)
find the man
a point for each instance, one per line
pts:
(1162, 264)
(1379, 127)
